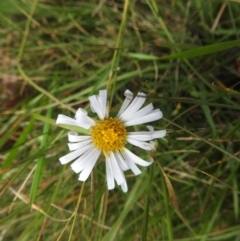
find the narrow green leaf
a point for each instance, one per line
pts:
(40, 162)
(236, 198)
(133, 196)
(44, 119)
(233, 130)
(209, 225)
(199, 51)
(11, 129)
(22, 138)
(140, 56)
(146, 211)
(206, 109)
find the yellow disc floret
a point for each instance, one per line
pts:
(109, 135)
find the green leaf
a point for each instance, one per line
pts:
(21, 140)
(40, 161)
(138, 189)
(146, 211)
(199, 51)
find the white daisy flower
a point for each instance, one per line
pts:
(109, 136)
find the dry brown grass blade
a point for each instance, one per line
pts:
(218, 180)
(25, 199)
(173, 197)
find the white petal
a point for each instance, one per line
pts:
(121, 162)
(84, 122)
(88, 168)
(80, 113)
(146, 135)
(159, 134)
(141, 136)
(134, 106)
(65, 120)
(117, 172)
(73, 155)
(150, 128)
(141, 144)
(154, 115)
(102, 99)
(109, 173)
(96, 106)
(129, 155)
(130, 163)
(91, 107)
(83, 119)
(99, 105)
(129, 95)
(78, 145)
(143, 112)
(74, 137)
(124, 187)
(83, 160)
(153, 143)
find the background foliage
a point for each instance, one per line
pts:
(183, 54)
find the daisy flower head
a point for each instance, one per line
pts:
(109, 136)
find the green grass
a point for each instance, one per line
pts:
(184, 55)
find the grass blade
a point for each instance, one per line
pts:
(40, 162)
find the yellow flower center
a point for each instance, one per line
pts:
(109, 135)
